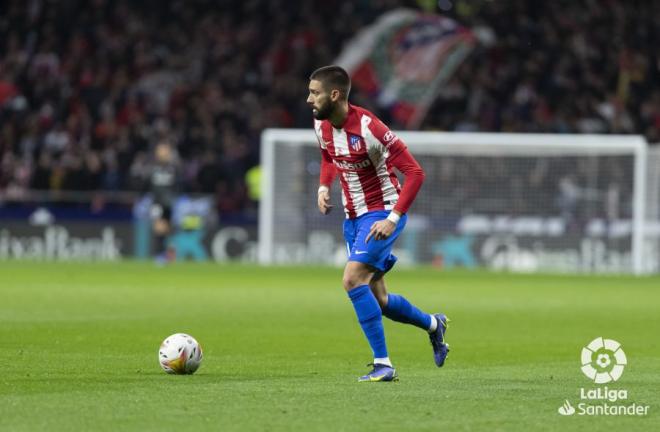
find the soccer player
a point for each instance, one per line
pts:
(163, 183)
(362, 151)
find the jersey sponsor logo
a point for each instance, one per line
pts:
(352, 166)
(389, 137)
(355, 142)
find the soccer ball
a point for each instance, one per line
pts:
(180, 354)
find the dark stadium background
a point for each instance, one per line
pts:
(88, 88)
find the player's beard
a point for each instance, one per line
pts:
(323, 112)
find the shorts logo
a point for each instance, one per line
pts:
(603, 360)
(355, 142)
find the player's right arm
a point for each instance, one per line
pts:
(328, 174)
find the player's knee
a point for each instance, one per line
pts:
(356, 274)
(350, 281)
(353, 279)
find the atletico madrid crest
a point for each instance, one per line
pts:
(355, 142)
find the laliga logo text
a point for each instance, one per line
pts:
(603, 361)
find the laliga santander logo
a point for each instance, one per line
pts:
(566, 409)
(603, 360)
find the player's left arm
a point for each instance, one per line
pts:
(414, 175)
(404, 161)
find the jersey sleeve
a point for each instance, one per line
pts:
(317, 132)
(386, 137)
(401, 159)
(414, 177)
(328, 170)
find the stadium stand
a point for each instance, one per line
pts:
(87, 89)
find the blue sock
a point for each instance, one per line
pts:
(401, 310)
(370, 318)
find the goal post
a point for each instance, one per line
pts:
(521, 202)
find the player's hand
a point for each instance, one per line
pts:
(324, 202)
(381, 230)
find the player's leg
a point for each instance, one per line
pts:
(356, 283)
(377, 285)
(397, 308)
(357, 274)
(161, 230)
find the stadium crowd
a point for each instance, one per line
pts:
(89, 88)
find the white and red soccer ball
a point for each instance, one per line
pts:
(180, 354)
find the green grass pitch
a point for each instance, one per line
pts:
(79, 342)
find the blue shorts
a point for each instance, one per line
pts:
(376, 253)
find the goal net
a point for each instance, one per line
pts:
(518, 202)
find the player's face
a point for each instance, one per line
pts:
(163, 153)
(320, 100)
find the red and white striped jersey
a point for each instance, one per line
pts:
(361, 153)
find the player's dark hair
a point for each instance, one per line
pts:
(333, 78)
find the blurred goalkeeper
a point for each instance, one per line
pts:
(163, 183)
(362, 151)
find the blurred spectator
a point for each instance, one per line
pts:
(163, 182)
(87, 89)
